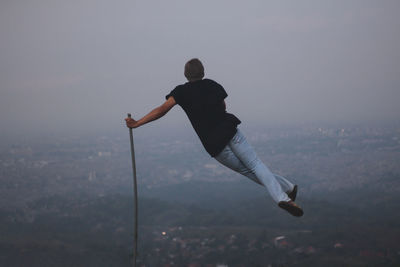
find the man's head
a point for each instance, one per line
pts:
(194, 70)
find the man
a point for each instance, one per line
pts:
(203, 102)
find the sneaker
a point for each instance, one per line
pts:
(291, 207)
(292, 195)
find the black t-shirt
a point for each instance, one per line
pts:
(202, 101)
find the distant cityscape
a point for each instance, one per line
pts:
(195, 212)
(319, 158)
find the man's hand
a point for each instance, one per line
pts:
(131, 123)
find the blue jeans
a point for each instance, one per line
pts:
(240, 156)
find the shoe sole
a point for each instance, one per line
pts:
(294, 210)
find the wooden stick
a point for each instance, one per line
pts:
(135, 234)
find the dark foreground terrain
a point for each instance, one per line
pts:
(235, 232)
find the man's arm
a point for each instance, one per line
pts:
(155, 114)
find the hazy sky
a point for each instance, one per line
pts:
(83, 64)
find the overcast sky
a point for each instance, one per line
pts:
(83, 64)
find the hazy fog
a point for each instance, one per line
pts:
(84, 64)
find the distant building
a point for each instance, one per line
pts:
(338, 245)
(104, 154)
(281, 242)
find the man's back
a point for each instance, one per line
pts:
(203, 103)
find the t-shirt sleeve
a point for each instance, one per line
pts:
(220, 92)
(175, 94)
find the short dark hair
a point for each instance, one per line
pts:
(194, 70)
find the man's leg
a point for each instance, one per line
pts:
(246, 154)
(230, 160)
(286, 185)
